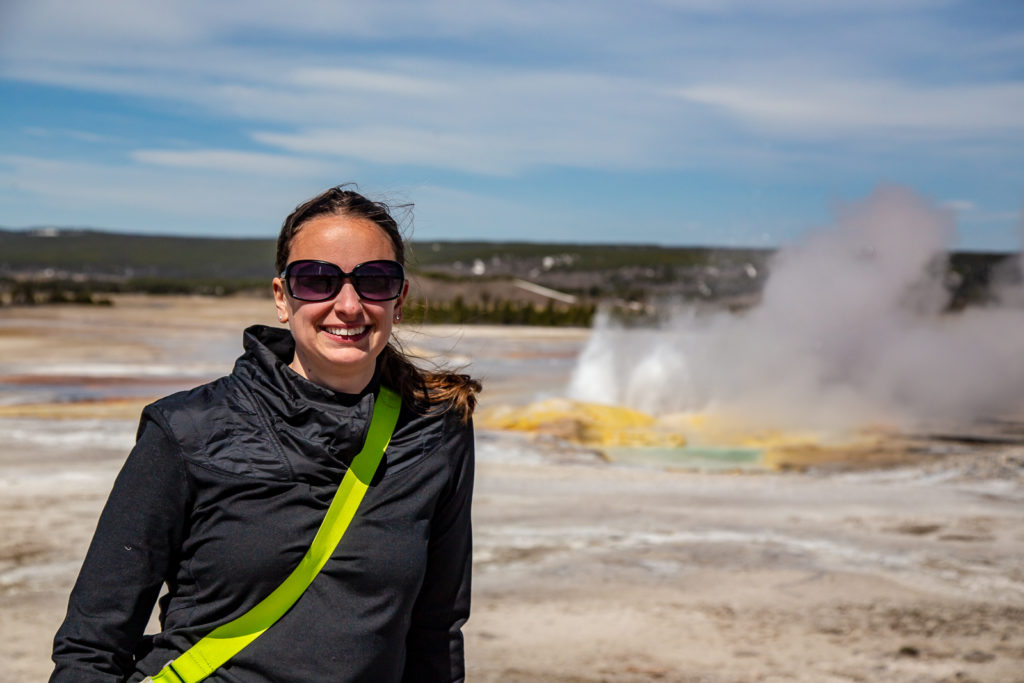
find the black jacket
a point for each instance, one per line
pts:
(220, 499)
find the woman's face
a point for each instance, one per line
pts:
(337, 341)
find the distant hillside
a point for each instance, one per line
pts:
(475, 278)
(95, 252)
(585, 270)
(114, 255)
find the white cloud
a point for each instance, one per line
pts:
(958, 205)
(232, 161)
(506, 146)
(393, 145)
(814, 108)
(134, 83)
(155, 199)
(68, 26)
(67, 133)
(503, 116)
(432, 113)
(805, 7)
(63, 23)
(367, 80)
(808, 93)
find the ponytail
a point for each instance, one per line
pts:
(423, 389)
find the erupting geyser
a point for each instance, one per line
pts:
(851, 330)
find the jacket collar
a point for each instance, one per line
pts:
(336, 420)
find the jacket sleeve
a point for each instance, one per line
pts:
(434, 645)
(136, 541)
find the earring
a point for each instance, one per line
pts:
(398, 316)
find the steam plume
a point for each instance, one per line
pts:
(850, 330)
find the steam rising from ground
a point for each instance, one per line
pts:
(850, 331)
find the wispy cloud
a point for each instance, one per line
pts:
(79, 135)
(736, 98)
(232, 161)
(367, 80)
(167, 199)
(392, 145)
(958, 205)
(834, 107)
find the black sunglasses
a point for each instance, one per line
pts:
(319, 280)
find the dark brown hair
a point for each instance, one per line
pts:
(422, 388)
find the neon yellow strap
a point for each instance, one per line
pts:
(227, 640)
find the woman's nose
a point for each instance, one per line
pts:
(348, 300)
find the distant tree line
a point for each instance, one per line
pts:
(32, 292)
(456, 311)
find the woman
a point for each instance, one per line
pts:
(228, 484)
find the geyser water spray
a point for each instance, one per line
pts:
(851, 329)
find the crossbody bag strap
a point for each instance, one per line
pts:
(227, 640)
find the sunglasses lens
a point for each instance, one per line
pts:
(319, 281)
(314, 281)
(379, 280)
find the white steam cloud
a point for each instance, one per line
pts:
(850, 330)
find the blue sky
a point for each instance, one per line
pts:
(713, 122)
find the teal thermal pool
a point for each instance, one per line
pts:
(692, 457)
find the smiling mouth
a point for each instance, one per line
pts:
(347, 333)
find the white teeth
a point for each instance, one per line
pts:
(346, 331)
